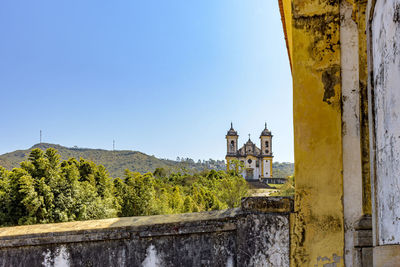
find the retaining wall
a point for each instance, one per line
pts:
(257, 234)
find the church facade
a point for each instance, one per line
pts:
(256, 162)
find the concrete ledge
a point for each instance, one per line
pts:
(363, 238)
(364, 223)
(141, 226)
(386, 256)
(268, 204)
(119, 228)
(26, 230)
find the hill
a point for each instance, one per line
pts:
(282, 169)
(118, 161)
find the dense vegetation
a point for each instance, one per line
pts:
(118, 161)
(287, 189)
(44, 189)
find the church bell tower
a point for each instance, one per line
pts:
(231, 145)
(266, 152)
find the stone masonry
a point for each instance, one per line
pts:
(257, 234)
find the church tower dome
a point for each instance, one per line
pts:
(266, 132)
(232, 131)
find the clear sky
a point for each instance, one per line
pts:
(162, 77)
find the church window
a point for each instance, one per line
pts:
(257, 164)
(232, 145)
(249, 161)
(266, 143)
(266, 151)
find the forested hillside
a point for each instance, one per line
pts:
(282, 169)
(116, 162)
(44, 189)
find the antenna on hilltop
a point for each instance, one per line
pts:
(113, 145)
(40, 136)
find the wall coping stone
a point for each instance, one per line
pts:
(268, 204)
(141, 226)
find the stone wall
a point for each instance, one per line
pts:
(384, 99)
(257, 234)
(385, 47)
(352, 127)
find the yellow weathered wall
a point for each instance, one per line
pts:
(228, 162)
(287, 8)
(318, 232)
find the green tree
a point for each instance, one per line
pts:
(287, 188)
(188, 204)
(232, 189)
(160, 173)
(44, 190)
(236, 166)
(4, 196)
(138, 195)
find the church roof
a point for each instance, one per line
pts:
(249, 142)
(266, 132)
(249, 148)
(232, 131)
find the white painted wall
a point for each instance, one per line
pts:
(267, 168)
(385, 49)
(252, 165)
(152, 258)
(229, 148)
(257, 170)
(59, 258)
(352, 175)
(263, 147)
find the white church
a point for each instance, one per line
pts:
(256, 162)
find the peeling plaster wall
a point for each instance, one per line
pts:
(173, 250)
(385, 41)
(318, 230)
(255, 235)
(328, 49)
(352, 179)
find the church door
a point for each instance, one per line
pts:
(249, 174)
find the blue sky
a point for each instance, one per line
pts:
(162, 77)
